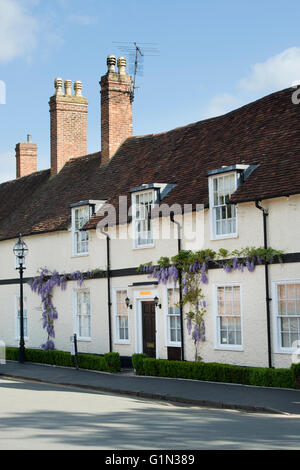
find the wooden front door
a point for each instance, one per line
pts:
(149, 329)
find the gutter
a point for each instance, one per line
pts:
(268, 298)
(108, 286)
(180, 285)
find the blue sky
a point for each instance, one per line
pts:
(214, 56)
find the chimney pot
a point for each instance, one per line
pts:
(58, 84)
(111, 64)
(68, 87)
(122, 65)
(78, 88)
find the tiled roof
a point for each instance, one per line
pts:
(265, 132)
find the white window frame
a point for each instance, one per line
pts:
(212, 207)
(17, 318)
(137, 246)
(218, 344)
(76, 316)
(117, 339)
(277, 318)
(75, 231)
(169, 342)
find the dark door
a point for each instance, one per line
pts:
(148, 315)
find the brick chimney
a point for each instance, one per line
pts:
(68, 124)
(26, 158)
(116, 107)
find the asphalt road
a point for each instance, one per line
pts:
(41, 416)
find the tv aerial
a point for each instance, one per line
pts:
(135, 54)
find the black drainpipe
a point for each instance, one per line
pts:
(108, 286)
(268, 298)
(180, 285)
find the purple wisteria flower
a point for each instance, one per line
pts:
(227, 268)
(43, 285)
(235, 263)
(250, 266)
(189, 324)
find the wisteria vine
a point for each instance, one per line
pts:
(43, 285)
(193, 268)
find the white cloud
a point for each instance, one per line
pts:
(277, 72)
(221, 104)
(18, 31)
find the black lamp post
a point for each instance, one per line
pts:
(20, 251)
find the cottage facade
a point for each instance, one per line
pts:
(235, 177)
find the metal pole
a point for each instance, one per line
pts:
(109, 303)
(268, 298)
(76, 351)
(180, 285)
(22, 342)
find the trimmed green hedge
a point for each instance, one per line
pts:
(215, 372)
(110, 362)
(137, 363)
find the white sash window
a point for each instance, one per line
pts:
(288, 314)
(173, 318)
(142, 223)
(121, 311)
(83, 314)
(229, 317)
(223, 214)
(80, 217)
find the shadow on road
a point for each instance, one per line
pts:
(142, 424)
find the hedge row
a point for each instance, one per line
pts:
(214, 372)
(110, 362)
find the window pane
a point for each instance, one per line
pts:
(229, 311)
(81, 237)
(291, 291)
(84, 314)
(281, 291)
(282, 307)
(122, 315)
(291, 307)
(223, 187)
(173, 301)
(174, 325)
(143, 222)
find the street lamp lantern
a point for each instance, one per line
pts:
(20, 251)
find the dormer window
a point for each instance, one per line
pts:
(223, 182)
(223, 214)
(142, 224)
(81, 213)
(145, 199)
(80, 237)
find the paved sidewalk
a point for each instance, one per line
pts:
(229, 396)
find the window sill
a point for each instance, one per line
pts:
(224, 237)
(173, 345)
(143, 247)
(120, 342)
(80, 255)
(229, 348)
(84, 340)
(286, 351)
